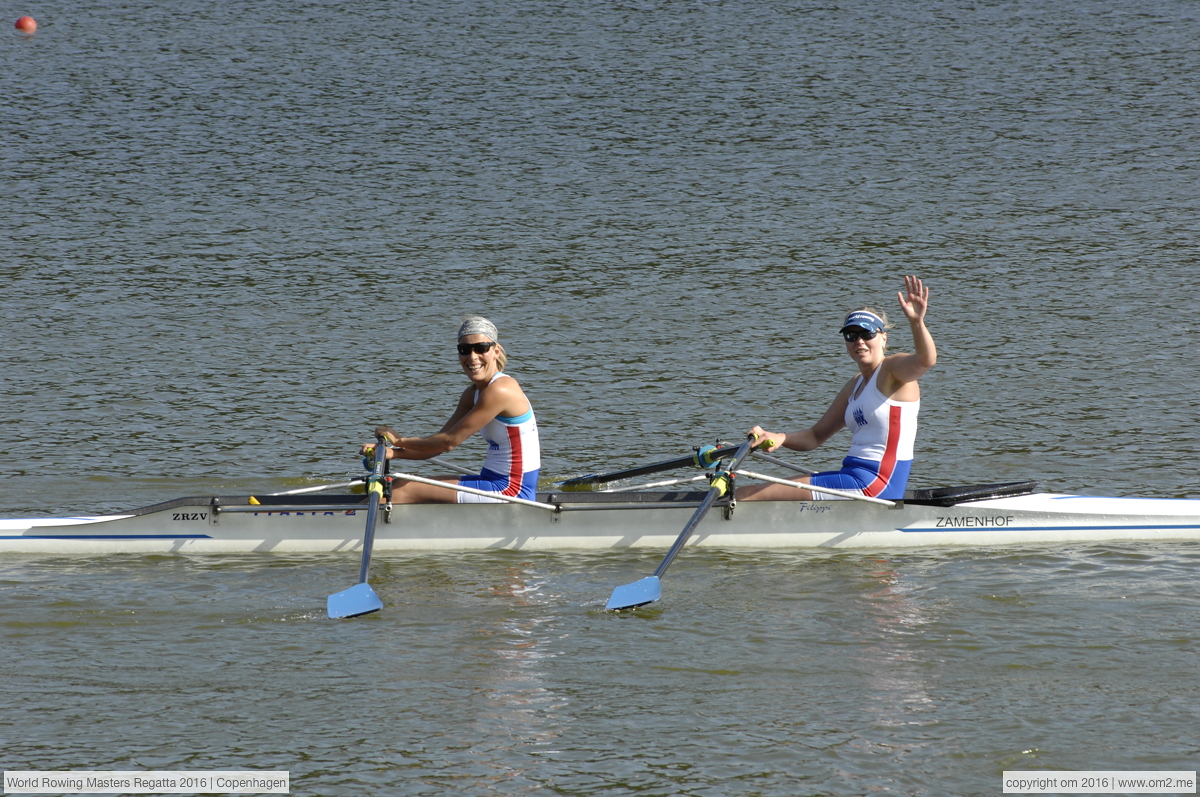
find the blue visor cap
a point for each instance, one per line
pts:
(865, 320)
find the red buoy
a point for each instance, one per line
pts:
(27, 24)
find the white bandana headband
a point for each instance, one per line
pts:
(478, 325)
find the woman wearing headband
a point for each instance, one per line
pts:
(879, 406)
(495, 406)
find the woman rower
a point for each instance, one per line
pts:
(880, 405)
(495, 406)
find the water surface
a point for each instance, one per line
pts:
(237, 240)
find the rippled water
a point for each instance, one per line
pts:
(499, 673)
(237, 239)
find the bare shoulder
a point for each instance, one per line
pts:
(848, 388)
(502, 385)
(504, 395)
(896, 380)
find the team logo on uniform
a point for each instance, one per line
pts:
(859, 418)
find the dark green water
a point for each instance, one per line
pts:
(237, 239)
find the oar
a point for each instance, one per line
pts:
(361, 599)
(452, 466)
(648, 590)
(665, 483)
(781, 463)
(352, 482)
(705, 457)
(322, 487)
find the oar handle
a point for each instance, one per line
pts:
(703, 458)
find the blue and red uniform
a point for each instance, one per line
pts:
(881, 450)
(513, 459)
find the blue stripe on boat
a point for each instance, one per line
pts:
(1047, 528)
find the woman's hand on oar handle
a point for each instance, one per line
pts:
(766, 441)
(762, 440)
(390, 435)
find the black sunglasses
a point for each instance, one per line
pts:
(479, 348)
(859, 334)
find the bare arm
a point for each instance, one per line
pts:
(816, 435)
(465, 403)
(905, 368)
(502, 397)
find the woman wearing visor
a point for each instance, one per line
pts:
(879, 406)
(495, 406)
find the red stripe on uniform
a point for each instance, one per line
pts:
(888, 464)
(516, 466)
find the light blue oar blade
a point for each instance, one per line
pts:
(359, 599)
(638, 593)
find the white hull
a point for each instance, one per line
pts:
(336, 523)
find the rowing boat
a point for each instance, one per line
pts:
(977, 515)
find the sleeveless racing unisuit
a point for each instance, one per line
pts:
(513, 459)
(881, 451)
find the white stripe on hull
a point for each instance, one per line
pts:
(1028, 519)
